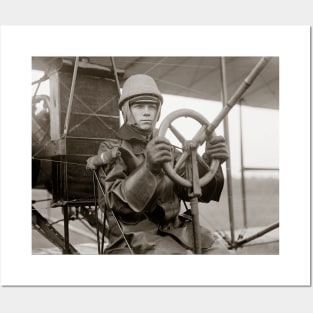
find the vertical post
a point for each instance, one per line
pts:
(196, 224)
(65, 186)
(194, 192)
(116, 77)
(70, 102)
(242, 167)
(64, 192)
(228, 164)
(66, 230)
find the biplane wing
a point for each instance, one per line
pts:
(196, 77)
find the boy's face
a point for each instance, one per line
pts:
(144, 114)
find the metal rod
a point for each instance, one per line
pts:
(66, 206)
(88, 138)
(40, 80)
(228, 165)
(37, 88)
(96, 211)
(196, 224)
(261, 168)
(238, 94)
(116, 220)
(116, 77)
(194, 192)
(95, 115)
(243, 182)
(258, 234)
(70, 102)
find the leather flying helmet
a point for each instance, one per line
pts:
(137, 85)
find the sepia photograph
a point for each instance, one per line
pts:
(155, 155)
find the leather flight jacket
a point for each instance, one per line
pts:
(147, 205)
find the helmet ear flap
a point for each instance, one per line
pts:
(124, 115)
(158, 113)
(127, 114)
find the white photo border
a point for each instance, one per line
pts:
(290, 268)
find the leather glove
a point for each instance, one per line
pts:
(104, 158)
(158, 152)
(93, 162)
(215, 148)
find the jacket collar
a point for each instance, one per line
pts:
(129, 132)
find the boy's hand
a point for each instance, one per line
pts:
(216, 148)
(158, 152)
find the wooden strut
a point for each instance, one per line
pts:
(66, 128)
(116, 77)
(194, 193)
(70, 102)
(42, 225)
(228, 163)
(239, 243)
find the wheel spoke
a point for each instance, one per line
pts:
(181, 161)
(178, 135)
(203, 163)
